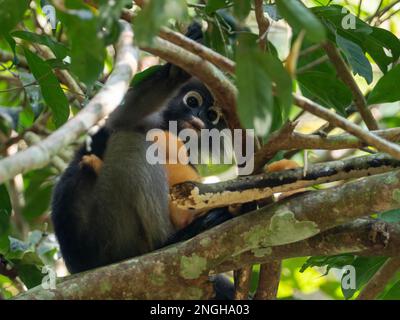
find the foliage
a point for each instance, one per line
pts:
(34, 97)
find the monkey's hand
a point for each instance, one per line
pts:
(91, 162)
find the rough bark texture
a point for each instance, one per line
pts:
(179, 271)
(245, 189)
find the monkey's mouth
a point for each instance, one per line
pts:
(193, 123)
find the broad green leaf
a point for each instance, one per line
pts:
(393, 293)
(139, 77)
(300, 17)
(241, 8)
(283, 82)
(59, 49)
(30, 274)
(109, 16)
(255, 100)
(215, 37)
(213, 5)
(11, 12)
(387, 89)
(5, 209)
(356, 58)
(50, 87)
(392, 216)
(325, 89)
(334, 17)
(88, 50)
(383, 46)
(38, 202)
(154, 15)
(330, 262)
(365, 268)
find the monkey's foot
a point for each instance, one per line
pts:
(91, 161)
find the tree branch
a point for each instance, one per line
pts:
(344, 73)
(108, 98)
(334, 119)
(245, 189)
(262, 22)
(287, 139)
(267, 234)
(270, 276)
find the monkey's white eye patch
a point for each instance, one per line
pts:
(214, 115)
(193, 99)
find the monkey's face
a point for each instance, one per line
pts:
(193, 108)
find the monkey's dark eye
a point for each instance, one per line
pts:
(213, 115)
(193, 99)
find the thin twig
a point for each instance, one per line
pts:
(341, 122)
(263, 24)
(344, 73)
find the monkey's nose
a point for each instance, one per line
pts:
(195, 123)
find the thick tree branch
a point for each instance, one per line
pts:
(245, 189)
(109, 97)
(179, 271)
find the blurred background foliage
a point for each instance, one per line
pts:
(35, 99)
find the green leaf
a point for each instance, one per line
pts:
(325, 89)
(392, 216)
(387, 89)
(365, 268)
(393, 293)
(334, 17)
(88, 50)
(59, 49)
(139, 77)
(241, 8)
(213, 5)
(378, 43)
(154, 15)
(11, 12)
(356, 58)
(30, 275)
(109, 16)
(50, 87)
(283, 82)
(300, 17)
(38, 202)
(5, 210)
(215, 37)
(255, 100)
(331, 262)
